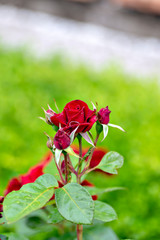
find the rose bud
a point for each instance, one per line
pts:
(103, 115)
(1, 208)
(50, 143)
(62, 140)
(1, 199)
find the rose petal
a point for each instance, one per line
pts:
(60, 118)
(78, 117)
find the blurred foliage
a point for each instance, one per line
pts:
(26, 84)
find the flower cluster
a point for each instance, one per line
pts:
(76, 117)
(62, 181)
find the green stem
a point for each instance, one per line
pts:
(79, 227)
(60, 173)
(86, 168)
(80, 159)
(66, 168)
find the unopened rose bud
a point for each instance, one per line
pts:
(103, 115)
(62, 140)
(50, 143)
(1, 208)
(1, 199)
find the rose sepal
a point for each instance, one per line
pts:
(116, 126)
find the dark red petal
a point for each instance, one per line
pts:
(81, 127)
(103, 115)
(56, 119)
(90, 113)
(75, 106)
(78, 117)
(62, 139)
(13, 185)
(62, 119)
(92, 120)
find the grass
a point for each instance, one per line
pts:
(26, 84)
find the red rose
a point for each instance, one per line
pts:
(75, 113)
(103, 115)
(61, 140)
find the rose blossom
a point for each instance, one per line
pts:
(61, 140)
(75, 113)
(103, 115)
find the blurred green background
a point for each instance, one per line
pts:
(27, 84)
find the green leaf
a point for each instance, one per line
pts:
(94, 190)
(53, 215)
(104, 212)
(29, 198)
(13, 236)
(75, 203)
(2, 220)
(3, 237)
(110, 162)
(52, 169)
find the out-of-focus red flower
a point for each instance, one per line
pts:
(96, 157)
(75, 113)
(103, 115)
(35, 172)
(13, 185)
